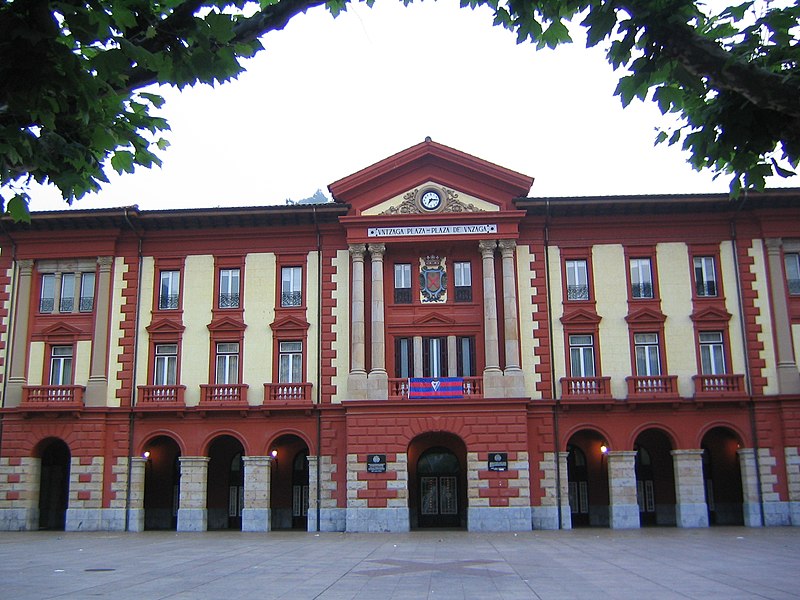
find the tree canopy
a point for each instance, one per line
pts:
(74, 76)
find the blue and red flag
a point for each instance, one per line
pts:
(435, 387)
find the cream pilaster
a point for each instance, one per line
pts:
(257, 477)
(192, 508)
(19, 344)
(691, 509)
(514, 384)
(378, 379)
(492, 375)
(623, 509)
(788, 375)
(97, 386)
(357, 379)
(417, 356)
(452, 356)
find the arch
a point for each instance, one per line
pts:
(167, 433)
(55, 461)
(655, 476)
(213, 436)
(740, 435)
(587, 477)
(225, 482)
(653, 425)
(161, 481)
(289, 489)
(271, 441)
(722, 476)
(437, 480)
(607, 437)
(450, 424)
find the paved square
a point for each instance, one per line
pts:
(596, 564)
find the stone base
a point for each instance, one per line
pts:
(330, 519)
(377, 520)
(256, 519)
(692, 515)
(624, 516)
(481, 518)
(136, 520)
(794, 513)
(546, 517)
(776, 514)
(378, 385)
(95, 519)
(494, 384)
(357, 386)
(19, 519)
(192, 519)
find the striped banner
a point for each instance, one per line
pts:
(428, 387)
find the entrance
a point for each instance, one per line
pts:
(225, 492)
(289, 483)
(723, 477)
(437, 472)
(162, 475)
(54, 486)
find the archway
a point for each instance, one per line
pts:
(162, 475)
(225, 492)
(587, 475)
(289, 483)
(437, 481)
(723, 477)
(655, 478)
(54, 484)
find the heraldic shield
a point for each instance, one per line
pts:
(433, 279)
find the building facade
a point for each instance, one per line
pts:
(431, 349)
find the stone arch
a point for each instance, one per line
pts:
(289, 431)
(213, 436)
(167, 433)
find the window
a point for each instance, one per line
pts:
(67, 302)
(434, 357)
(463, 281)
(712, 353)
(403, 357)
(402, 283)
(290, 362)
(465, 354)
(61, 365)
(577, 280)
(166, 367)
(86, 302)
(641, 278)
(169, 289)
(705, 279)
(291, 286)
(47, 299)
(581, 355)
(648, 361)
(792, 262)
(228, 288)
(227, 363)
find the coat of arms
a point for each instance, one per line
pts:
(432, 279)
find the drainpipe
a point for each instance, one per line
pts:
(747, 375)
(131, 420)
(319, 367)
(556, 433)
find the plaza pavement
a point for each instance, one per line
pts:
(596, 564)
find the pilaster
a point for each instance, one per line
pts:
(623, 510)
(19, 333)
(257, 478)
(378, 379)
(492, 375)
(788, 375)
(357, 378)
(691, 509)
(97, 386)
(192, 508)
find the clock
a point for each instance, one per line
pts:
(430, 200)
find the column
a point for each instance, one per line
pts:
(136, 506)
(788, 375)
(452, 356)
(192, 509)
(97, 387)
(417, 356)
(256, 510)
(19, 343)
(514, 382)
(378, 379)
(492, 375)
(691, 509)
(357, 379)
(623, 509)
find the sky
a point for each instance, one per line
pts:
(329, 97)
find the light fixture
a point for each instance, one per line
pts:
(274, 453)
(603, 449)
(146, 454)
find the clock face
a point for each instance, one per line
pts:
(430, 200)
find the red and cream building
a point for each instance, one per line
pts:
(433, 348)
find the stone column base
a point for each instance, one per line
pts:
(330, 519)
(794, 513)
(192, 519)
(377, 385)
(493, 384)
(499, 518)
(256, 519)
(19, 519)
(624, 516)
(95, 519)
(377, 520)
(690, 515)
(136, 520)
(776, 514)
(546, 517)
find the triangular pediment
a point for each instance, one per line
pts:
(646, 315)
(165, 326)
(226, 324)
(434, 318)
(290, 323)
(711, 314)
(390, 185)
(60, 328)
(581, 316)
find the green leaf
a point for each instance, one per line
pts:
(122, 161)
(17, 208)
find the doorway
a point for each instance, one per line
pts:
(54, 486)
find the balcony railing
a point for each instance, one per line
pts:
(472, 387)
(718, 385)
(160, 395)
(52, 396)
(586, 387)
(577, 292)
(655, 385)
(277, 393)
(794, 287)
(224, 394)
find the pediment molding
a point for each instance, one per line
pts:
(646, 316)
(290, 323)
(581, 316)
(226, 324)
(434, 318)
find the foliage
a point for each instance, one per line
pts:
(73, 76)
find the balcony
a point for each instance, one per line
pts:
(658, 385)
(161, 395)
(287, 393)
(472, 387)
(718, 385)
(52, 396)
(590, 388)
(224, 394)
